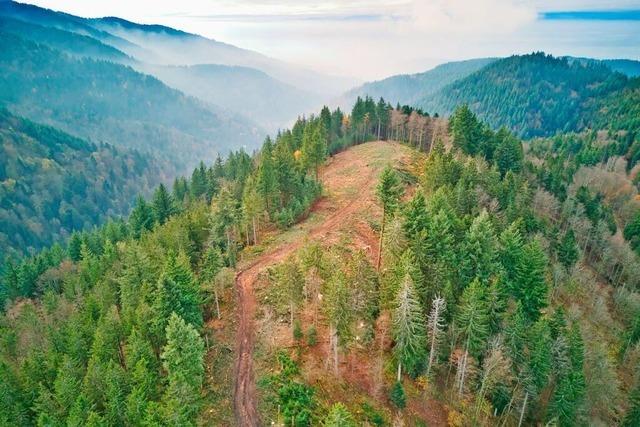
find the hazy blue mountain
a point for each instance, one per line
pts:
(52, 183)
(248, 91)
(105, 101)
(66, 41)
(534, 95)
(166, 46)
(63, 21)
(169, 54)
(628, 67)
(410, 88)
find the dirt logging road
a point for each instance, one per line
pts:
(349, 182)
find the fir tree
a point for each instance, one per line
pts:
(472, 318)
(162, 204)
(141, 218)
(480, 249)
(339, 416)
(530, 287)
(389, 191)
(398, 396)
(568, 249)
(267, 182)
(408, 328)
(337, 303)
(466, 130)
(183, 360)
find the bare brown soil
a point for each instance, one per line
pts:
(349, 180)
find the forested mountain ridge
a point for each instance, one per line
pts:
(408, 89)
(534, 95)
(179, 59)
(105, 101)
(164, 45)
(65, 41)
(52, 184)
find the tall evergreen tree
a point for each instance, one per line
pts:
(568, 249)
(141, 218)
(162, 204)
(409, 332)
(314, 146)
(466, 130)
(389, 191)
(267, 181)
(530, 287)
(472, 318)
(183, 360)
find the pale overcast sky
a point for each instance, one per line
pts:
(376, 38)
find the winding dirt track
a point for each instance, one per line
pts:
(349, 181)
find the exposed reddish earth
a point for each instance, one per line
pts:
(349, 181)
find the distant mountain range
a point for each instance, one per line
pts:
(533, 95)
(409, 89)
(170, 54)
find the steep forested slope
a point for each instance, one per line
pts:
(410, 88)
(104, 101)
(532, 94)
(122, 337)
(620, 110)
(52, 183)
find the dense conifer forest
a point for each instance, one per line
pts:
(469, 258)
(53, 183)
(493, 275)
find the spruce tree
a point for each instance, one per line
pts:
(409, 332)
(183, 360)
(267, 182)
(389, 190)
(339, 416)
(398, 396)
(162, 204)
(74, 245)
(141, 218)
(314, 147)
(472, 319)
(480, 260)
(530, 287)
(252, 207)
(509, 155)
(466, 130)
(568, 249)
(337, 304)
